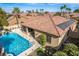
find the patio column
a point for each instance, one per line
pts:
(27, 30)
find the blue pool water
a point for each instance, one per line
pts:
(14, 43)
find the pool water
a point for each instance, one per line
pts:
(14, 43)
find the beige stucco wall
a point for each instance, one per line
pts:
(73, 26)
(63, 38)
(56, 42)
(37, 34)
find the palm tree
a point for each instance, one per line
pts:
(41, 11)
(33, 11)
(37, 11)
(69, 10)
(2, 11)
(61, 8)
(28, 11)
(64, 7)
(16, 12)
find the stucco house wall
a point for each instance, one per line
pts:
(55, 41)
(37, 34)
(73, 26)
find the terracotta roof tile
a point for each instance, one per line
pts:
(41, 23)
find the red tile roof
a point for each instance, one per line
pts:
(75, 14)
(44, 23)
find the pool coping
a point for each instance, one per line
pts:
(28, 37)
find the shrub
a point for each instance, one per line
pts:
(60, 53)
(73, 53)
(40, 51)
(71, 49)
(49, 51)
(70, 46)
(43, 39)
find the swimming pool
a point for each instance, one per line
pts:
(14, 43)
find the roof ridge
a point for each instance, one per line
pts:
(53, 24)
(51, 21)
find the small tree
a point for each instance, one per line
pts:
(59, 53)
(43, 39)
(3, 18)
(71, 49)
(61, 8)
(69, 10)
(16, 14)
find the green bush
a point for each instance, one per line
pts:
(40, 51)
(43, 39)
(71, 49)
(73, 53)
(49, 51)
(60, 53)
(4, 22)
(70, 46)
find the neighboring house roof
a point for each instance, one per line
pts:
(45, 23)
(75, 14)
